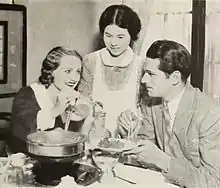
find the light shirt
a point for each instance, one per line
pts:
(173, 106)
(44, 117)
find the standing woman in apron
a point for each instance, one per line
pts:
(110, 75)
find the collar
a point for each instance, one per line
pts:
(124, 62)
(174, 103)
(42, 96)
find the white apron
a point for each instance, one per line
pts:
(115, 101)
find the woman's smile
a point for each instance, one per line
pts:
(71, 83)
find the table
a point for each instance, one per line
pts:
(144, 178)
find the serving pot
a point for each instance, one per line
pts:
(56, 144)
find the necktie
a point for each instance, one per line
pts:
(167, 128)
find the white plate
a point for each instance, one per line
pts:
(128, 145)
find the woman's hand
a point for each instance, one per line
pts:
(64, 99)
(81, 109)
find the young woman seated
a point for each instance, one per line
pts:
(44, 105)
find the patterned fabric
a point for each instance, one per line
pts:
(116, 78)
(117, 95)
(195, 139)
(167, 128)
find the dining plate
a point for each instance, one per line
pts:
(116, 145)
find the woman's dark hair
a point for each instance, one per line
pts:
(52, 62)
(122, 16)
(173, 57)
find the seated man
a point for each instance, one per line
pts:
(180, 131)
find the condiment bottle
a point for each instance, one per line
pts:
(98, 130)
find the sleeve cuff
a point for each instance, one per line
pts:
(45, 120)
(168, 166)
(178, 174)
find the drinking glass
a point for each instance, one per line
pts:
(14, 176)
(106, 161)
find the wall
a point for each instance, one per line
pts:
(12, 56)
(73, 23)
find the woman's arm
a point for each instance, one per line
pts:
(24, 118)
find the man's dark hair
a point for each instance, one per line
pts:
(172, 56)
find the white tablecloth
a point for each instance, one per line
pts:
(143, 178)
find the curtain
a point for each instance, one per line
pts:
(211, 84)
(165, 19)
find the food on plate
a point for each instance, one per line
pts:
(111, 143)
(116, 145)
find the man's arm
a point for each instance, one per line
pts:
(24, 119)
(143, 129)
(207, 174)
(147, 129)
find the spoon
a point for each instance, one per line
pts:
(128, 181)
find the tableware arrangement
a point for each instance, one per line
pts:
(100, 137)
(106, 155)
(15, 170)
(63, 144)
(86, 173)
(14, 176)
(106, 161)
(116, 145)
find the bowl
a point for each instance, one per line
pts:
(56, 143)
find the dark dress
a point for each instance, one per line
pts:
(24, 120)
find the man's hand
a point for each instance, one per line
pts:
(148, 152)
(126, 120)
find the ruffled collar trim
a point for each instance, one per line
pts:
(125, 61)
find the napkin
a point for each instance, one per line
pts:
(68, 181)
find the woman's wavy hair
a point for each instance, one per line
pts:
(173, 56)
(52, 62)
(122, 16)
